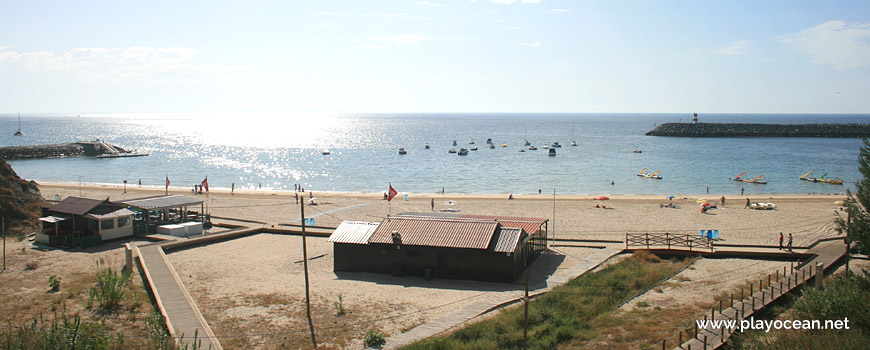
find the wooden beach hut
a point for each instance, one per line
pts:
(485, 248)
(156, 211)
(84, 222)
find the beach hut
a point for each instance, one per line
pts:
(84, 222)
(154, 212)
(485, 248)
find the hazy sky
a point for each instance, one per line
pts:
(435, 56)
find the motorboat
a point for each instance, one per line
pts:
(488, 141)
(454, 142)
(426, 146)
(532, 148)
(474, 148)
(637, 151)
(463, 152)
(402, 150)
(491, 145)
(573, 143)
(545, 147)
(325, 152)
(522, 149)
(452, 151)
(504, 145)
(551, 152)
(556, 144)
(471, 142)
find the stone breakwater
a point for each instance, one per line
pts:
(74, 149)
(760, 130)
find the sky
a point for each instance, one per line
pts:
(436, 56)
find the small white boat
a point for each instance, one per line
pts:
(522, 149)
(471, 142)
(325, 152)
(463, 152)
(451, 151)
(555, 144)
(532, 148)
(551, 152)
(573, 143)
(545, 147)
(488, 141)
(491, 145)
(474, 148)
(504, 145)
(402, 150)
(426, 146)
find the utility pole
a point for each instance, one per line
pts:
(305, 265)
(526, 313)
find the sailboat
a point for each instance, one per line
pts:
(573, 142)
(19, 132)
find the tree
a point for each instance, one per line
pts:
(857, 221)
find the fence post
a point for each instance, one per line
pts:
(792, 268)
(663, 343)
(732, 300)
(681, 337)
(820, 274)
(668, 239)
(705, 342)
(720, 306)
(647, 240)
(626, 240)
(688, 242)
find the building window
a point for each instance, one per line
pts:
(123, 221)
(107, 224)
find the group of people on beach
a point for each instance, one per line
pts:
(781, 237)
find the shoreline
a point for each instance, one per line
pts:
(400, 195)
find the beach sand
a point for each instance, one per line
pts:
(251, 289)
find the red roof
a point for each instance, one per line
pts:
(530, 225)
(436, 232)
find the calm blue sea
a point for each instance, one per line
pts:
(276, 151)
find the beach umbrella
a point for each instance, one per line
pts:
(603, 198)
(700, 200)
(670, 197)
(705, 204)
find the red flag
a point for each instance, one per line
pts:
(392, 193)
(205, 184)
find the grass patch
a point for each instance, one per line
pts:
(564, 313)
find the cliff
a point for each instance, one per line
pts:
(760, 130)
(20, 200)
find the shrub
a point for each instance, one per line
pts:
(374, 339)
(53, 284)
(339, 306)
(109, 290)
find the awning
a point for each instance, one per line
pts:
(53, 219)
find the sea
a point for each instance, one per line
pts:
(275, 151)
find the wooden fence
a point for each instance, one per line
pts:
(668, 240)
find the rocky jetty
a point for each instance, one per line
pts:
(760, 130)
(75, 149)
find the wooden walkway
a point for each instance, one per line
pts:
(183, 318)
(495, 300)
(826, 253)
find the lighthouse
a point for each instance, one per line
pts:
(695, 118)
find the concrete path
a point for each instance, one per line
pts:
(495, 300)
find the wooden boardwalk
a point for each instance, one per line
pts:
(495, 300)
(183, 318)
(826, 253)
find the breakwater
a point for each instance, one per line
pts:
(760, 130)
(73, 149)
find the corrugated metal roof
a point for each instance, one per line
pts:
(162, 202)
(76, 205)
(436, 232)
(530, 225)
(507, 239)
(110, 215)
(356, 232)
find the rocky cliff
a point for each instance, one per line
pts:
(20, 200)
(760, 130)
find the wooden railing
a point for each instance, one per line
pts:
(668, 240)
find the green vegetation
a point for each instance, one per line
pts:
(339, 307)
(857, 220)
(109, 290)
(562, 314)
(53, 284)
(847, 296)
(374, 339)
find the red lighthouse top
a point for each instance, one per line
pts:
(695, 118)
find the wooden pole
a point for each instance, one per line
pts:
(554, 215)
(305, 265)
(526, 313)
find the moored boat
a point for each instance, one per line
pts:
(551, 152)
(463, 151)
(402, 150)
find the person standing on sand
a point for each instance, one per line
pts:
(723, 201)
(442, 190)
(747, 203)
(297, 197)
(708, 189)
(780, 241)
(233, 189)
(741, 191)
(789, 241)
(433, 204)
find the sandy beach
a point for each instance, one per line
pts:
(251, 289)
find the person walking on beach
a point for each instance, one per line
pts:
(297, 197)
(741, 191)
(789, 242)
(140, 182)
(442, 190)
(433, 204)
(708, 189)
(310, 194)
(233, 189)
(723, 201)
(780, 241)
(747, 203)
